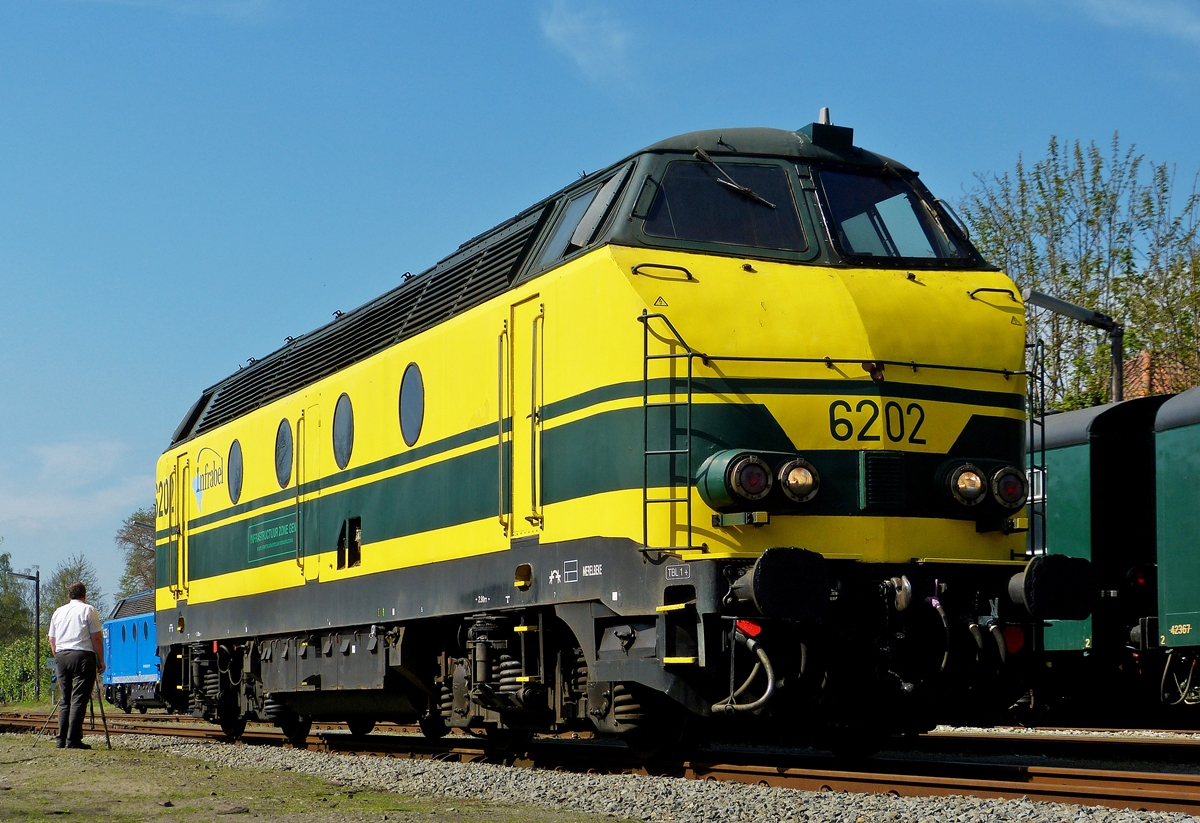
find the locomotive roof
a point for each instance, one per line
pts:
(1076, 427)
(1181, 410)
(480, 269)
(814, 142)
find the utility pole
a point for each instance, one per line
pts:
(1099, 320)
(36, 577)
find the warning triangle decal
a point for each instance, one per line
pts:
(660, 302)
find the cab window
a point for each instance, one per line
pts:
(571, 216)
(581, 218)
(883, 216)
(732, 203)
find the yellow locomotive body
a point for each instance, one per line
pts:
(545, 437)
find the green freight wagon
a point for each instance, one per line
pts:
(1100, 505)
(1177, 445)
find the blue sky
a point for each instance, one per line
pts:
(183, 183)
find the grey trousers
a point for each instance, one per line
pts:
(76, 674)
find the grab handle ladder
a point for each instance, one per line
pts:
(1036, 438)
(671, 452)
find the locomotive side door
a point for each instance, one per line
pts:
(525, 400)
(308, 470)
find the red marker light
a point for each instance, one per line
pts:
(749, 628)
(1014, 639)
(750, 478)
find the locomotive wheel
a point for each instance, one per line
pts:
(433, 727)
(654, 726)
(505, 742)
(296, 728)
(233, 727)
(141, 709)
(650, 743)
(660, 736)
(360, 726)
(855, 744)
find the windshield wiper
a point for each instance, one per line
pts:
(729, 182)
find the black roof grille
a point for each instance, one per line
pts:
(477, 272)
(140, 603)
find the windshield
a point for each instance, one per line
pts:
(695, 202)
(884, 216)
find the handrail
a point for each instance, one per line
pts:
(185, 582)
(174, 533)
(637, 269)
(971, 294)
(828, 362)
(535, 451)
(298, 452)
(500, 362)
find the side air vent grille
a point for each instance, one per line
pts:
(477, 272)
(880, 481)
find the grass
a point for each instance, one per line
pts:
(40, 782)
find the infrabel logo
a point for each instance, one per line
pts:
(210, 473)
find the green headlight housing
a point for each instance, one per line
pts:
(742, 479)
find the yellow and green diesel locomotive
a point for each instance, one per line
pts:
(731, 431)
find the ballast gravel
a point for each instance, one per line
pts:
(634, 797)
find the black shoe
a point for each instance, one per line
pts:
(58, 744)
(78, 746)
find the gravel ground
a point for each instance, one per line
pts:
(625, 796)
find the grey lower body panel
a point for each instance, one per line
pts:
(608, 571)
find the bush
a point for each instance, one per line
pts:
(18, 670)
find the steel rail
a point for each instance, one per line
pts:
(1138, 790)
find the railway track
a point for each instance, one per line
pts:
(939, 771)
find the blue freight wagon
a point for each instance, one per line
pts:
(132, 671)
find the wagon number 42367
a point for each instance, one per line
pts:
(870, 422)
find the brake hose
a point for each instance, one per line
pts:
(728, 706)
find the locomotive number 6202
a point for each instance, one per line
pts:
(871, 423)
(164, 494)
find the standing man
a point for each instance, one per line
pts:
(78, 649)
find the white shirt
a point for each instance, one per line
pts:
(72, 627)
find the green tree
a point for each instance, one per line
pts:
(16, 613)
(19, 670)
(1162, 299)
(1095, 228)
(135, 539)
(55, 590)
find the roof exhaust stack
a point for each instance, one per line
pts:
(824, 135)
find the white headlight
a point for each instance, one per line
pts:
(799, 480)
(967, 485)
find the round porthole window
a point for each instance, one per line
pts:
(283, 453)
(343, 431)
(235, 471)
(412, 404)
